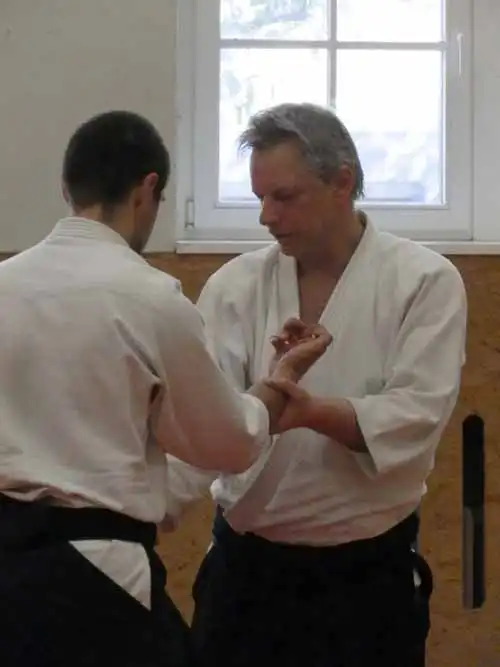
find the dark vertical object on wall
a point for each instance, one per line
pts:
(473, 533)
(415, 544)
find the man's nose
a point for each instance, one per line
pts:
(268, 213)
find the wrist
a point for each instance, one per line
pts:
(284, 372)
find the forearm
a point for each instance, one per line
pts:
(336, 419)
(274, 401)
(394, 428)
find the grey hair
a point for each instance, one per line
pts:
(323, 139)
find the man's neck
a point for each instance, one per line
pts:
(333, 256)
(117, 223)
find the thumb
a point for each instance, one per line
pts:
(286, 387)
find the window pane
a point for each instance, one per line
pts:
(390, 20)
(251, 80)
(274, 19)
(391, 102)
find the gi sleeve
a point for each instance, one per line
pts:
(423, 376)
(201, 418)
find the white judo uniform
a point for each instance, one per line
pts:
(104, 369)
(398, 319)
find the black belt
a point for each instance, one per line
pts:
(58, 589)
(341, 558)
(33, 524)
(350, 554)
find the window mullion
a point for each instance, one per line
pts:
(332, 73)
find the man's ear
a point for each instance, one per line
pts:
(151, 181)
(143, 191)
(65, 194)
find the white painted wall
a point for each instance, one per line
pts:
(486, 115)
(62, 61)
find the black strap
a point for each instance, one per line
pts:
(348, 556)
(421, 567)
(33, 524)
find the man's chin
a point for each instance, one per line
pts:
(287, 245)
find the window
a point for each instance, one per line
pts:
(397, 73)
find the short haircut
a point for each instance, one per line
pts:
(322, 138)
(109, 155)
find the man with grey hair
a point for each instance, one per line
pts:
(312, 561)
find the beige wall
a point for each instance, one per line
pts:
(61, 61)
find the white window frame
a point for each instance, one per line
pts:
(202, 226)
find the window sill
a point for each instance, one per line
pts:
(240, 247)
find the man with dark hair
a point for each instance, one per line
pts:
(107, 157)
(103, 370)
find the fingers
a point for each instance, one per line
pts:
(280, 340)
(280, 344)
(283, 342)
(304, 354)
(321, 336)
(319, 331)
(295, 331)
(318, 339)
(294, 327)
(303, 350)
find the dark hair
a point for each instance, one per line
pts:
(109, 155)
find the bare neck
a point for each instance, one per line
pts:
(333, 254)
(117, 220)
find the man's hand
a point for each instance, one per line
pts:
(299, 407)
(335, 417)
(294, 330)
(298, 347)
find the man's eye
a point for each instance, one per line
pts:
(284, 196)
